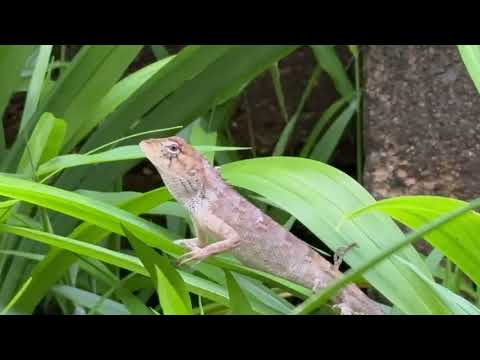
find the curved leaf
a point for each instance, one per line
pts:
(319, 196)
(457, 240)
(471, 58)
(121, 153)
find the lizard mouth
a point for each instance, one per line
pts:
(154, 153)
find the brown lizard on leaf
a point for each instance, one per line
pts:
(238, 226)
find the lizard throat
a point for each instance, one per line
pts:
(185, 190)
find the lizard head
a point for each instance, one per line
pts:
(179, 165)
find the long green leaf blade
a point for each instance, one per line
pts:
(458, 240)
(171, 289)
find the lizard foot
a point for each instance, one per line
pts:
(340, 253)
(196, 254)
(190, 244)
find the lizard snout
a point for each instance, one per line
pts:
(146, 145)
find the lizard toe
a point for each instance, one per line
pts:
(196, 254)
(190, 244)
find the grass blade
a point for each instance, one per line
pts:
(471, 58)
(121, 153)
(319, 196)
(237, 64)
(458, 240)
(36, 84)
(329, 61)
(313, 302)
(44, 144)
(172, 292)
(329, 141)
(89, 300)
(93, 71)
(238, 300)
(12, 60)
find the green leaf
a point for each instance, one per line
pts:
(471, 58)
(172, 292)
(93, 71)
(5, 207)
(321, 123)
(182, 67)
(134, 305)
(453, 302)
(324, 149)
(89, 210)
(118, 94)
(120, 153)
(433, 260)
(36, 84)
(108, 218)
(262, 299)
(113, 198)
(257, 292)
(159, 51)
(57, 262)
(327, 58)
(458, 240)
(282, 142)
(12, 60)
(89, 300)
(45, 143)
(319, 196)
(354, 50)
(435, 305)
(277, 85)
(237, 64)
(203, 134)
(195, 284)
(238, 300)
(23, 254)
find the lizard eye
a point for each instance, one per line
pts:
(173, 148)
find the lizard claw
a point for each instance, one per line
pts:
(196, 254)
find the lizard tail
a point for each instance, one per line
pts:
(350, 300)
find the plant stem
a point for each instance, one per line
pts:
(277, 84)
(359, 122)
(288, 130)
(251, 133)
(478, 295)
(457, 279)
(446, 279)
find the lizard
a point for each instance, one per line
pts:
(237, 225)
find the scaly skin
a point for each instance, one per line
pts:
(239, 226)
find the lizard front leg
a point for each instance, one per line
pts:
(197, 242)
(221, 230)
